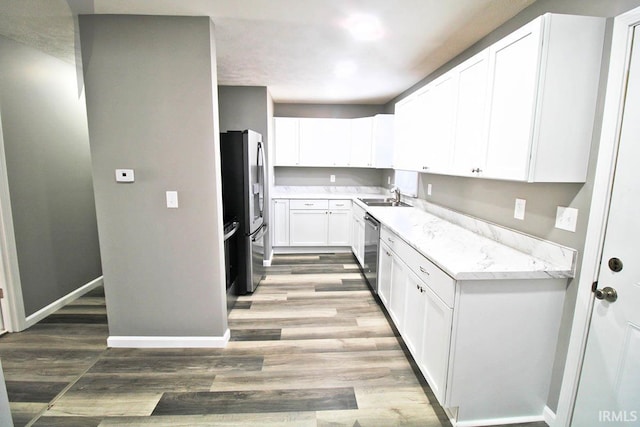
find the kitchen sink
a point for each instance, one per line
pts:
(383, 202)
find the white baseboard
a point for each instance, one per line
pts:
(54, 306)
(311, 249)
(498, 421)
(549, 416)
(169, 342)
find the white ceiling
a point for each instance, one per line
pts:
(293, 46)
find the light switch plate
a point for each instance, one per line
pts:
(566, 218)
(172, 199)
(518, 212)
(429, 188)
(125, 175)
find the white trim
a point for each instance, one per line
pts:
(311, 250)
(12, 304)
(499, 421)
(549, 416)
(70, 297)
(602, 184)
(169, 342)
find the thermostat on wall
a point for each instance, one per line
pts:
(124, 175)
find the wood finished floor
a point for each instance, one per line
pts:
(311, 347)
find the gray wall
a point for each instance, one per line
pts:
(46, 143)
(152, 106)
(320, 176)
(494, 200)
(336, 111)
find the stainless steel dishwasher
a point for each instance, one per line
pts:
(371, 243)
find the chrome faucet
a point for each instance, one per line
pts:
(396, 191)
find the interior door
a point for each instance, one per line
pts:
(609, 390)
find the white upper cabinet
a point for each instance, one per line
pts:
(407, 136)
(325, 142)
(286, 132)
(437, 107)
(514, 63)
(361, 142)
(542, 99)
(522, 110)
(470, 129)
(382, 144)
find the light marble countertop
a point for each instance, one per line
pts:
(461, 253)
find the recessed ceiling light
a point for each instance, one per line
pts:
(345, 69)
(364, 27)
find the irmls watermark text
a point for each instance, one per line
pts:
(605, 416)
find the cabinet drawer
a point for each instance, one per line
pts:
(390, 239)
(441, 284)
(336, 205)
(436, 279)
(309, 204)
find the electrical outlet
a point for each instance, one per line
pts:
(389, 180)
(172, 199)
(567, 218)
(518, 212)
(429, 187)
(332, 178)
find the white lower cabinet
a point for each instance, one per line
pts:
(397, 295)
(280, 222)
(357, 233)
(339, 228)
(485, 349)
(308, 227)
(384, 273)
(314, 222)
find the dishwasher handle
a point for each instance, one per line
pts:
(372, 222)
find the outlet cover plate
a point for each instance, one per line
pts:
(518, 212)
(567, 218)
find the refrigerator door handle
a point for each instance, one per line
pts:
(262, 164)
(256, 235)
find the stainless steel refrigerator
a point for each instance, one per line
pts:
(244, 173)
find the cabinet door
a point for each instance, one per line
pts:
(286, 135)
(325, 142)
(280, 222)
(470, 131)
(414, 315)
(361, 142)
(436, 338)
(514, 75)
(437, 113)
(383, 130)
(339, 227)
(406, 133)
(399, 275)
(384, 273)
(308, 227)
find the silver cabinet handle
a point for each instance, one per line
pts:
(339, 204)
(308, 204)
(390, 239)
(424, 271)
(388, 253)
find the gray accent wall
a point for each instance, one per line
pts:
(152, 106)
(494, 200)
(334, 111)
(321, 176)
(48, 163)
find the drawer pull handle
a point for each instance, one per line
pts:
(390, 239)
(388, 253)
(424, 271)
(308, 204)
(339, 204)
